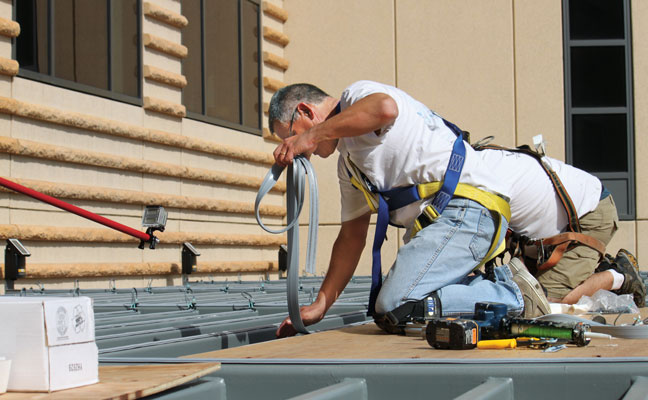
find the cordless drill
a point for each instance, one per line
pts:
(490, 321)
(464, 333)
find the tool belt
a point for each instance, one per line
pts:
(549, 250)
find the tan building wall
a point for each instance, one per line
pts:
(113, 158)
(640, 68)
(494, 68)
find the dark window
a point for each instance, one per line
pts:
(223, 70)
(86, 45)
(598, 90)
(601, 141)
(596, 19)
(598, 76)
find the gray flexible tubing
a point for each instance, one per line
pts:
(294, 203)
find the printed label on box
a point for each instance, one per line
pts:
(73, 365)
(69, 321)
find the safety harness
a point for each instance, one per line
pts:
(382, 202)
(551, 249)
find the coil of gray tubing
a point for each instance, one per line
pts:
(294, 203)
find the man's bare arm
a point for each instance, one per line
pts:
(368, 114)
(345, 256)
(344, 260)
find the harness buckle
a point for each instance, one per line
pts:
(541, 252)
(539, 144)
(483, 142)
(431, 213)
(428, 216)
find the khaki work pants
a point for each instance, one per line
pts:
(579, 263)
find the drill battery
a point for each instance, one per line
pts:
(464, 333)
(452, 333)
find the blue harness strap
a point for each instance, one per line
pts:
(399, 197)
(376, 265)
(454, 128)
(451, 177)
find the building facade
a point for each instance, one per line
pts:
(114, 105)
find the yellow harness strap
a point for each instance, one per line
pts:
(360, 182)
(369, 196)
(498, 207)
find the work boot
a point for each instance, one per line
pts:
(535, 300)
(631, 258)
(519, 265)
(418, 311)
(605, 264)
(626, 264)
(516, 265)
(388, 326)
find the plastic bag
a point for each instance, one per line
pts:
(606, 301)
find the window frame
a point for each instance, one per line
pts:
(628, 110)
(80, 87)
(218, 121)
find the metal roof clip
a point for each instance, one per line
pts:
(134, 301)
(249, 298)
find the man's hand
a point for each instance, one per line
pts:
(292, 146)
(310, 315)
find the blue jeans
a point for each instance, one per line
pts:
(441, 257)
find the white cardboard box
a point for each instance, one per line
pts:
(50, 342)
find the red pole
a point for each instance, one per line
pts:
(75, 210)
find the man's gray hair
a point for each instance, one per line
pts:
(285, 100)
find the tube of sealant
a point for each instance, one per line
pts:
(591, 335)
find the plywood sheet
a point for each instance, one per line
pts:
(369, 342)
(127, 382)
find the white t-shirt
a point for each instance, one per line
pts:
(536, 210)
(416, 148)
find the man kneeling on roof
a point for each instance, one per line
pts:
(412, 167)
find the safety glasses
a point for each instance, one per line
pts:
(292, 119)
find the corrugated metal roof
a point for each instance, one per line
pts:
(158, 325)
(202, 316)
